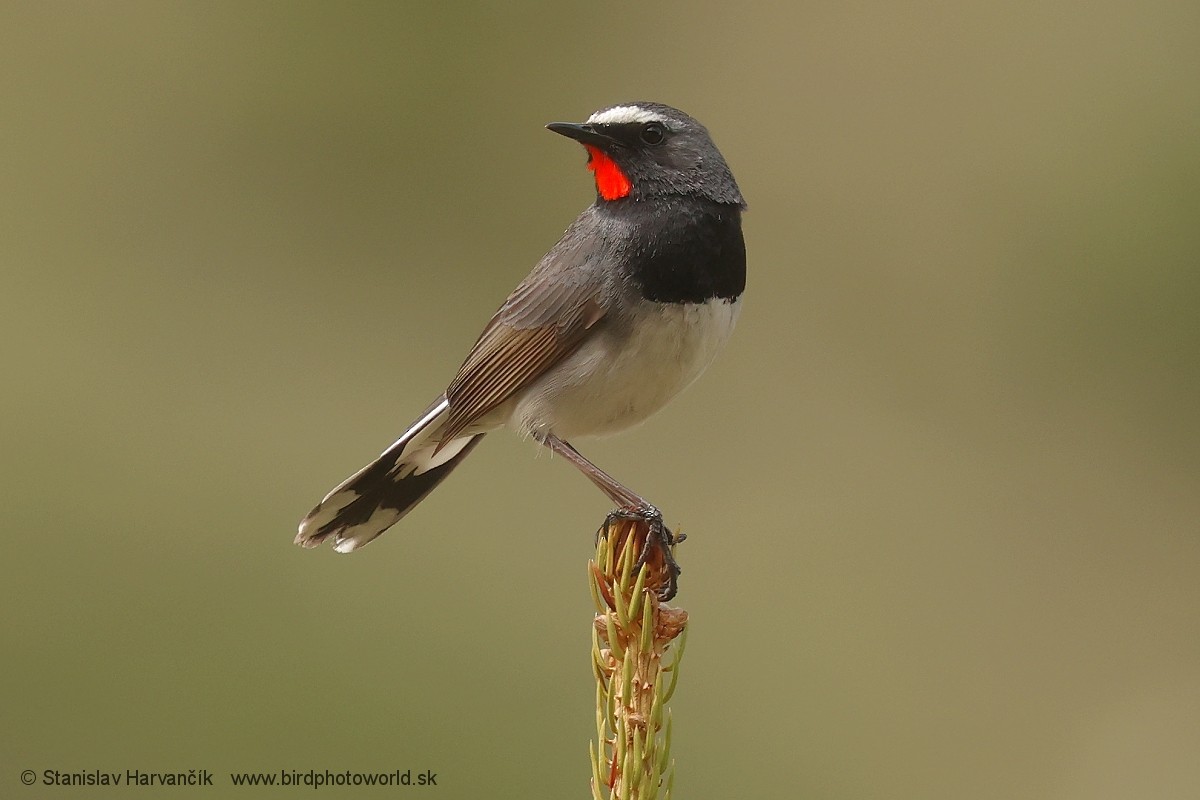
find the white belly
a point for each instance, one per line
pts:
(613, 382)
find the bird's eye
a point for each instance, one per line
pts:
(653, 133)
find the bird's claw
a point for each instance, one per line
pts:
(657, 535)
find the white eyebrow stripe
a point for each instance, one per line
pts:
(618, 115)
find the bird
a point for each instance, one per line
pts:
(625, 311)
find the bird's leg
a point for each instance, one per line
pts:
(630, 506)
(623, 497)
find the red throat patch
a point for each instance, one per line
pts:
(611, 183)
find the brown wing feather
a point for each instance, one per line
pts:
(541, 323)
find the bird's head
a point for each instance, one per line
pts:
(644, 150)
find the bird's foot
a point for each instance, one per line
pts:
(658, 536)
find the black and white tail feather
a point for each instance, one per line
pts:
(373, 499)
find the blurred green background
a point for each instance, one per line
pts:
(942, 490)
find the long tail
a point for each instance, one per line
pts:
(373, 499)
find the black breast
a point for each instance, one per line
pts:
(686, 250)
